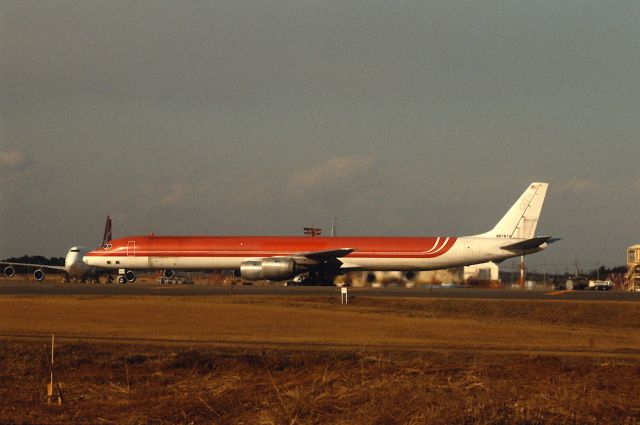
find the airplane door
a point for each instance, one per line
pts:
(131, 249)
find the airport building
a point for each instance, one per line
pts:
(482, 273)
(486, 274)
(633, 267)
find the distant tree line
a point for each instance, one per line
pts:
(601, 272)
(37, 259)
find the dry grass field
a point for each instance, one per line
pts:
(307, 360)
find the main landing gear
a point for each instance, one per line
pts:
(125, 276)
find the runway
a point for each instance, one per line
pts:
(32, 288)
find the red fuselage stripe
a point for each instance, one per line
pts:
(198, 246)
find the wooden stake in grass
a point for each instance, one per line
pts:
(50, 384)
(50, 395)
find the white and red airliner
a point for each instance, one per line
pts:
(282, 258)
(74, 266)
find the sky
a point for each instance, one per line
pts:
(413, 117)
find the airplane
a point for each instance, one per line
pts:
(74, 266)
(279, 258)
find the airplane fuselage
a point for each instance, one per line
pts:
(372, 253)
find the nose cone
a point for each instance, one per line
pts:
(70, 260)
(73, 263)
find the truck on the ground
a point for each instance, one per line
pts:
(600, 285)
(577, 283)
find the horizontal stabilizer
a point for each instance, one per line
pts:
(527, 244)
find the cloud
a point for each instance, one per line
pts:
(13, 161)
(175, 195)
(334, 172)
(580, 186)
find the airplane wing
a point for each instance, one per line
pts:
(40, 266)
(317, 257)
(527, 243)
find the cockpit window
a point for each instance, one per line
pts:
(74, 250)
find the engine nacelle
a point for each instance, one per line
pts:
(9, 271)
(130, 276)
(269, 269)
(168, 273)
(38, 275)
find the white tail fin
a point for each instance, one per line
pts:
(521, 220)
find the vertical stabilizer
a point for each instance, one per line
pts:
(521, 220)
(106, 238)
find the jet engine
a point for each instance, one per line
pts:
(38, 275)
(270, 269)
(168, 273)
(130, 276)
(9, 271)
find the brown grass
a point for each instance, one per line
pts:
(509, 326)
(309, 360)
(127, 384)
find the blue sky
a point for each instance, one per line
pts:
(261, 117)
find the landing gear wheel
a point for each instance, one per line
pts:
(122, 280)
